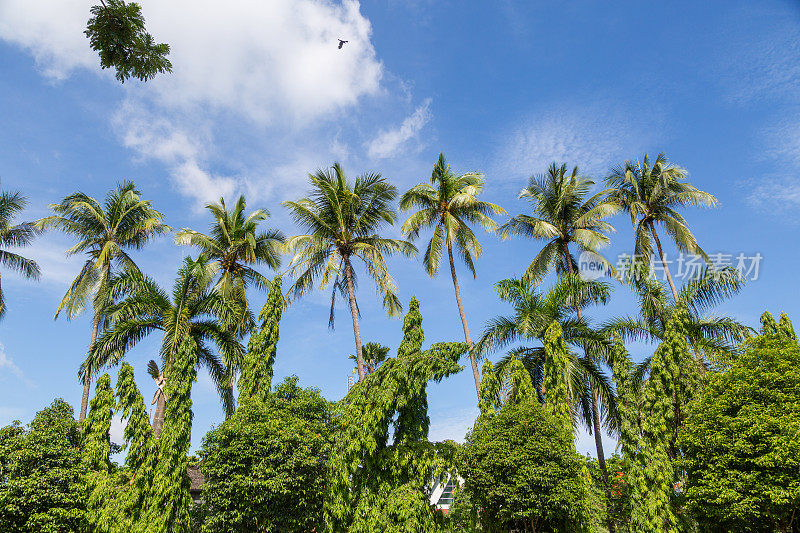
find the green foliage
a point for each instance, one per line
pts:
(131, 406)
(264, 466)
(117, 32)
(741, 440)
(381, 461)
(165, 505)
(555, 375)
(17, 236)
(374, 354)
(96, 450)
(672, 378)
(256, 378)
(521, 470)
(41, 474)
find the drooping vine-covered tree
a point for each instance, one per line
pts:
(105, 233)
(131, 407)
(652, 193)
(117, 33)
(343, 220)
(166, 501)
(193, 310)
(96, 440)
(256, 378)
(374, 485)
(449, 204)
(15, 236)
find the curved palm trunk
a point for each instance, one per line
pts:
(596, 428)
(348, 274)
(663, 261)
(158, 416)
(87, 380)
(467, 337)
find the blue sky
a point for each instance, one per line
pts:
(260, 96)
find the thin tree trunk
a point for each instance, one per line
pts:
(87, 380)
(597, 430)
(158, 416)
(467, 337)
(348, 274)
(663, 261)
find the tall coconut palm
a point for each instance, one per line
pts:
(194, 309)
(342, 220)
(563, 214)
(449, 204)
(15, 236)
(652, 193)
(105, 232)
(374, 354)
(235, 245)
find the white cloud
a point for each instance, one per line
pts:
(594, 136)
(779, 192)
(117, 431)
(389, 142)
(6, 364)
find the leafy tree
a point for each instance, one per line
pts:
(99, 484)
(264, 466)
(343, 220)
(193, 310)
(652, 193)
(563, 214)
(105, 233)
(521, 470)
(381, 462)
(130, 405)
(41, 482)
(449, 204)
(741, 439)
(117, 32)
(374, 354)
(15, 236)
(256, 378)
(234, 243)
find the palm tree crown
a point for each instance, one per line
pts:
(342, 220)
(193, 309)
(233, 245)
(105, 231)
(652, 193)
(449, 204)
(374, 354)
(15, 236)
(562, 214)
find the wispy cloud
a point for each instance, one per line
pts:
(453, 425)
(389, 142)
(594, 136)
(778, 192)
(7, 365)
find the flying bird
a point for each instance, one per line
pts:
(341, 43)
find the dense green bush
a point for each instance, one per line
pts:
(264, 466)
(521, 470)
(741, 440)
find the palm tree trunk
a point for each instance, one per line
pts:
(348, 274)
(158, 416)
(87, 380)
(663, 261)
(467, 337)
(597, 430)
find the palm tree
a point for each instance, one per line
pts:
(105, 232)
(342, 220)
(533, 314)
(449, 204)
(712, 338)
(652, 194)
(374, 354)
(193, 309)
(564, 213)
(15, 236)
(234, 244)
